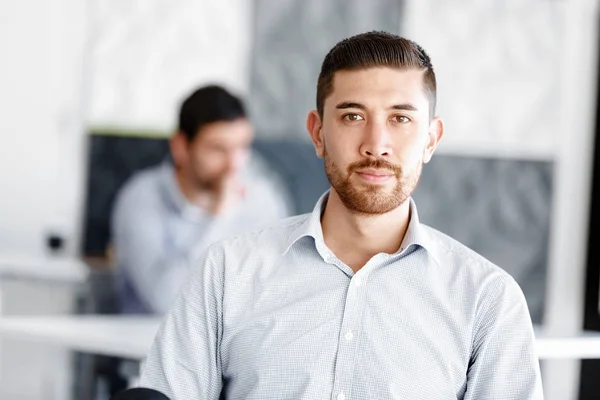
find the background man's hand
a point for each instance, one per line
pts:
(227, 192)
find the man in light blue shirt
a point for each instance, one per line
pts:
(166, 216)
(357, 300)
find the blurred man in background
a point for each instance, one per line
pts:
(164, 217)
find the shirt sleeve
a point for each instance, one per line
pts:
(184, 361)
(154, 268)
(503, 364)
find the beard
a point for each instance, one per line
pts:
(204, 184)
(207, 183)
(371, 199)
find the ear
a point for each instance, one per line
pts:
(178, 145)
(435, 134)
(313, 126)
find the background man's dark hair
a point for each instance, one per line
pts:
(375, 49)
(206, 105)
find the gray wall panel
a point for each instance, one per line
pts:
(290, 41)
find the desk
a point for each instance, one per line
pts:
(131, 337)
(120, 336)
(26, 282)
(55, 269)
(37, 286)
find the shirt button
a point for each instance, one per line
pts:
(341, 396)
(349, 336)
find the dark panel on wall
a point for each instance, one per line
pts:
(112, 160)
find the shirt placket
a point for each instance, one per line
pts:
(348, 336)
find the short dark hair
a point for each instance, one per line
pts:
(206, 105)
(375, 49)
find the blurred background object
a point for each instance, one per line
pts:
(90, 93)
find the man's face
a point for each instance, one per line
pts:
(375, 136)
(219, 151)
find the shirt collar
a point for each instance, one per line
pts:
(416, 234)
(310, 226)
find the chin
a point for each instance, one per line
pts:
(374, 189)
(371, 202)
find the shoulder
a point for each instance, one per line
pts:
(142, 182)
(267, 242)
(140, 190)
(461, 261)
(491, 290)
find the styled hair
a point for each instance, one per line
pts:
(375, 49)
(206, 105)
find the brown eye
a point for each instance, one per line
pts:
(401, 119)
(353, 117)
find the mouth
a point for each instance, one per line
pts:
(375, 176)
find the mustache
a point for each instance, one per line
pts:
(374, 164)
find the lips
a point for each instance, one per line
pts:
(375, 176)
(375, 172)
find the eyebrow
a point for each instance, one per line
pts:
(347, 104)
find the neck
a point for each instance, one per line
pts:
(190, 191)
(355, 238)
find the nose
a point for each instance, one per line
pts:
(377, 141)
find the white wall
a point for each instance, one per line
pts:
(41, 131)
(497, 63)
(147, 55)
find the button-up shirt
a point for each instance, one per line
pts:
(275, 314)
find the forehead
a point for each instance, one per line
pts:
(224, 132)
(379, 86)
